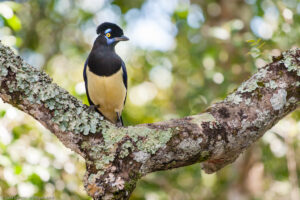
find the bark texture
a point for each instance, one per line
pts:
(117, 157)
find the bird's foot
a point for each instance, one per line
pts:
(119, 124)
(92, 108)
(120, 121)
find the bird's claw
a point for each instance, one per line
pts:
(91, 108)
(119, 124)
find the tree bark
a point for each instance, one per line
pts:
(116, 157)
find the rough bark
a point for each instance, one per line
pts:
(116, 157)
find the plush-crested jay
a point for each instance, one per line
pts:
(105, 74)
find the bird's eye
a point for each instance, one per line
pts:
(108, 34)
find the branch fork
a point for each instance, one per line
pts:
(116, 157)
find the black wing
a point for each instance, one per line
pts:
(85, 82)
(124, 78)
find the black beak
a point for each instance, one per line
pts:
(122, 38)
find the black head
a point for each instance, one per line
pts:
(112, 32)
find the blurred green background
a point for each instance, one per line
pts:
(183, 55)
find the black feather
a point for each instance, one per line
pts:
(116, 30)
(104, 62)
(85, 83)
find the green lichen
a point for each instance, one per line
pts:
(204, 156)
(254, 84)
(130, 185)
(133, 139)
(278, 100)
(84, 145)
(248, 101)
(289, 63)
(234, 98)
(125, 149)
(37, 88)
(103, 162)
(248, 86)
(148, 140)
(141, 156)
(272, 84)
(261, 74)
(3, 71)
(152, 140)
(260, 83)
(204, 117)
(190, 145)
(92, 177)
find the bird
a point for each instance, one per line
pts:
(105, 74)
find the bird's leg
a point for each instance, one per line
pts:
(120, 121)
(92, 108)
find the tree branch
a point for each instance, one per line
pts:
(117, 157)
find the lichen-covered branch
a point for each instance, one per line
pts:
(117, 157)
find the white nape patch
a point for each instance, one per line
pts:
(279, 99)
(107, 30)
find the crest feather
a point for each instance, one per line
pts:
(116, 30)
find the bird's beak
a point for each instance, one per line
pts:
(122, 38)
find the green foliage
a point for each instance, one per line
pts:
(2, 113)
(256, 47)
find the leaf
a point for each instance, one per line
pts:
(250, 41)
(14, 22)
(2, 113)
(261, 45)
(256, 43)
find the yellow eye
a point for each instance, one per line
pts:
(108, 35)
